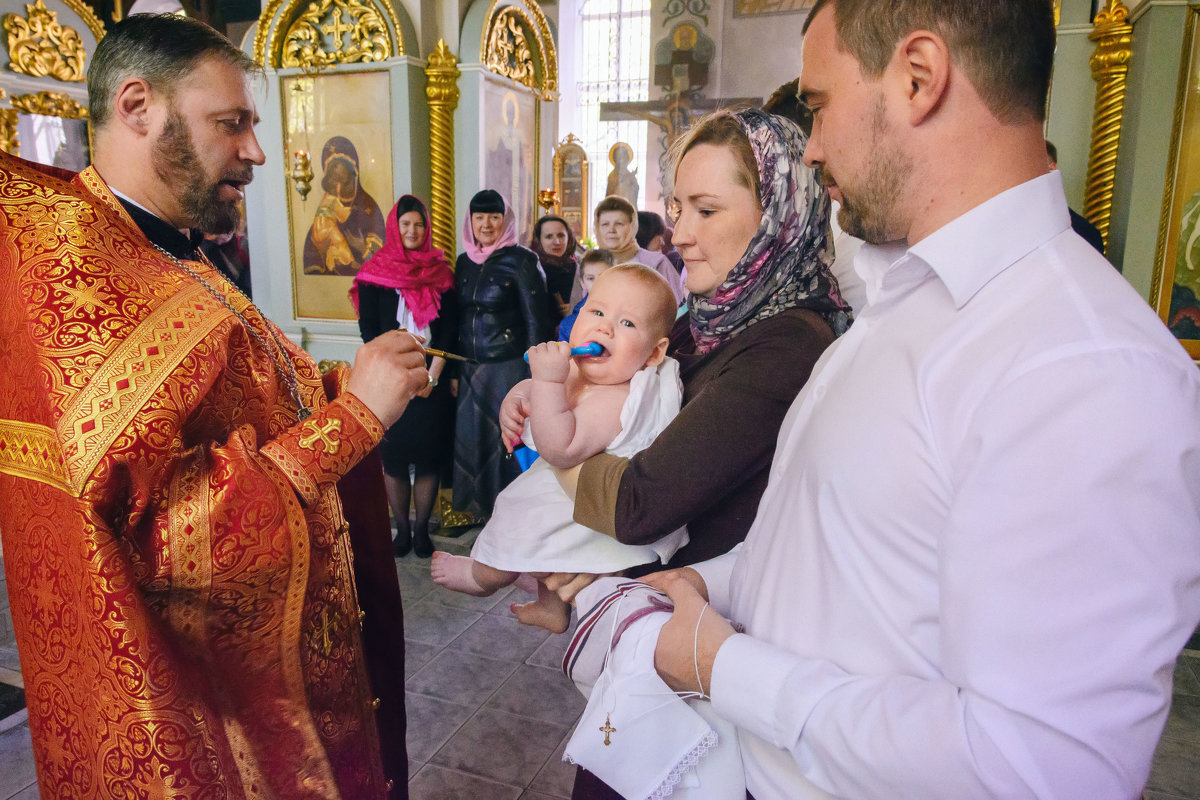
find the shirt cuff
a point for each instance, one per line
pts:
(769, 691)
(596, 493)
(751, 701)
(717, 573)
(321, 449)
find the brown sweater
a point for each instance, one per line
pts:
(709, 468)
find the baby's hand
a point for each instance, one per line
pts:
(550, 361)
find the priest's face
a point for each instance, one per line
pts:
(206, 150)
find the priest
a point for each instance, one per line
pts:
(178, 564)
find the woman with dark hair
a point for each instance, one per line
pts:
(408, 284)
(654, 235)
(502, 313)
(555, 246)
(752, 224)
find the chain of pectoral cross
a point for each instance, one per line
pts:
(289, 377)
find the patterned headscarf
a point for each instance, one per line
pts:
(786, 264)
(419, 275)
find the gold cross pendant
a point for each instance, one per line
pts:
(607, 729)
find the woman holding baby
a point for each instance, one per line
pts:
(752, 225)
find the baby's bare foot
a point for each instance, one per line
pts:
(548, 611)
(555, 620)
(454, 572)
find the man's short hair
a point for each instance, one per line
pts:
(161, 48)
(614, 202)
(1005, 48)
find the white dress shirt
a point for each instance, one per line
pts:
(979, 553)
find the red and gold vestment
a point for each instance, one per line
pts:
(176, 554)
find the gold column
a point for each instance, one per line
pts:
(1113, 36)
(441, 89)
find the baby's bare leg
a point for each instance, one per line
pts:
(466, 575)
(549, 611)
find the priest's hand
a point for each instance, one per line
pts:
(388, 371)
(689, 641)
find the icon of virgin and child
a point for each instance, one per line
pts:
(348, 226)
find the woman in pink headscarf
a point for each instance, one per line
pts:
(409, 284)
(504, 311)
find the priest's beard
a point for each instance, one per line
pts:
(176, 163)
(870, 205)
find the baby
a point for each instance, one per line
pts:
(617, 401)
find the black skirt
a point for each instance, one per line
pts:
(482, 466)
(421, 437)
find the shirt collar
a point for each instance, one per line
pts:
(972, 249)
(177, 242)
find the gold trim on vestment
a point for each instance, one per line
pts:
(253, 782)
(189, 548)
(29, 450)
(315, 762)
(104, 408)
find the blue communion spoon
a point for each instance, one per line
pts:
(589, 349)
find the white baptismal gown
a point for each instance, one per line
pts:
(532, 530)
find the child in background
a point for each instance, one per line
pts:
(590, 266)
(618, 402)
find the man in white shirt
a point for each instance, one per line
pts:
(979, 553)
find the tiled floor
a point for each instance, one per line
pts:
(489, 711)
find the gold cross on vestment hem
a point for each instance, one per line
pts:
(317, 432)
(322, 634)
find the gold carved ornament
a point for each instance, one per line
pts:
(312, 34)
(1113, 36)
(441, 92)
(507, 50)
(304, 44)
(548, 53)
(50, 104)
(8, 131)
(571, 148)
(40, 46)
(506, 47)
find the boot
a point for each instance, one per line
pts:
(422, 545)
(401, 545)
